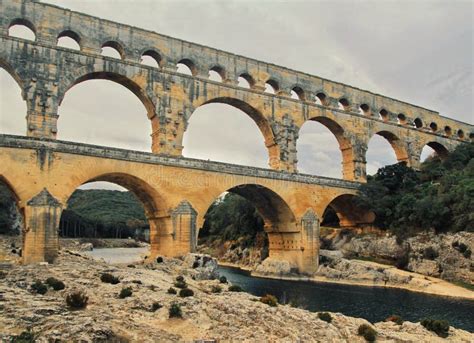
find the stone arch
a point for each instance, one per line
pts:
(190, 64)
(440, 150)
(154, 54)
(24, 22)
(348, 211)
(248, 78)
(71, 34)
(345, 145)
(18, 204)
(397, 144)
(219, 70)
(13, 73)
(114, 44)
(257, 116)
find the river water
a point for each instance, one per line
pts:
(372, 303)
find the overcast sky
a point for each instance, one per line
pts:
(417, 51)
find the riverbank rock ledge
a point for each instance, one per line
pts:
(204, 266)
(271, 267)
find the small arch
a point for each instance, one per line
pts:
(344, 104)
(364, 109)
(418, 123)
(434, 126)
(345, 211)
(217, 74)
(322, 98)
(298, 93)
(402, 119)
(245, 81)
(448, 131)
(271, 86)
(383, 115)
(461, 134)
(471, 136)
(112, 49)
(69, 39)
(186, 66)
(151, 58)
(22, 28)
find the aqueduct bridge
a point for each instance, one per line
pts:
(176, 192)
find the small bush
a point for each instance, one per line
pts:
(175, 311)
(186, 292)
(155, 306)
(125, 292)
(467, 253)
(3, 274)
(462, 248)
(180, 278)
(171, 290)
(39, 287)
(430, 253)
(395, 318)
(325, 316)
(195, 264)
(216, 289)
(440, 327)
(109, 278)
(368, 332)
(159, 259)
(55, 284)
(270, 300)
(235, 288)
(455, 244)
(138, 282)
(25, 337)
(223, 279)
(131, 266)
(402, 261)
(77, 300)
(180, 284)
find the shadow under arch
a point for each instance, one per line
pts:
(349, 212)
(441, 151)
(262, 123)
(397, 144)
(345, 145)
(4, 183)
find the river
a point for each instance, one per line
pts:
(372, 303)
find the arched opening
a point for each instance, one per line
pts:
(344, 104)
(364, 109)
(321, 99)
(271, 86)
(112, 49)
(107, 110)
(384, 148)
(186, 67)
(471, 136)
(418, 123)
(447, 131)
(323, 149)
(433, 150)
(22, 28)
(298, 93)
(11, 221)
(202, 140)
(12, 106)
(110, 210)
(401, 119)
(69, 39)
(245, 81)
(434, 127)
(246, 224)
(383, 115)
(216, 74)
(151, 58)
(460, 134)
(345, 211)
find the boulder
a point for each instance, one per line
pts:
(274, 267)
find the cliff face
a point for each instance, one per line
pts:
(447, 256)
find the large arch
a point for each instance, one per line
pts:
(12, 216)
(258, 118)
(13, 108)
(385, 148)
(349, 212)
(397, 144)
(439, 149)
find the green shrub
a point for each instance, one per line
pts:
(27, 336)
(368, 332)
(467, 253)
(180, 284)
(186, 292)
(216, 289)
(39, 287)
(171, 290)
(55, 284)
(462, 248)
(131, 266)
(235, 288)
(223, 279)
(440, 327)
(195, 264)
(3, 274)
(430, 253)
(109, 278)
(270, 300)
(325, 316)
(77, 300)
(125, 292)
(155, 306)
(175, 311)
(180, 278)
(395, 318)
(159, 259)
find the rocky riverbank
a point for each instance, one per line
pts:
(213, 312)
